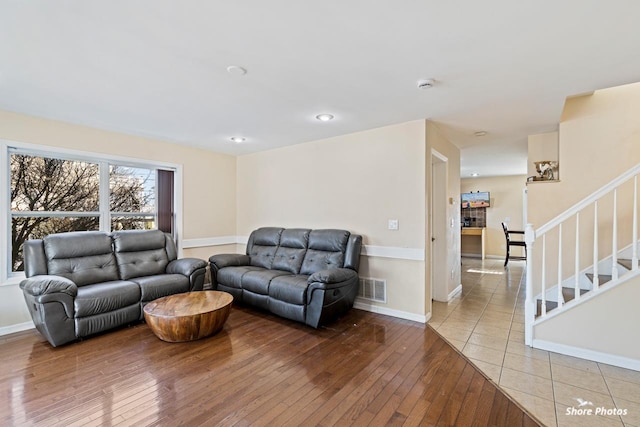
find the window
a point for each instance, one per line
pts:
(132, 198)
(53, 194)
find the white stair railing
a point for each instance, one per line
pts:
(610, 241)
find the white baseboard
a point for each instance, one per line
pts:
(18, 327)
(465, 255)
(596, 356)
(361, 305)
(454, 292)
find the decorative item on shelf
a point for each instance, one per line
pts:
(547, 170)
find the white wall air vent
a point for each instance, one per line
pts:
(373, 289)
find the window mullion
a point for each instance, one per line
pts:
(5, 216)
(105, 216)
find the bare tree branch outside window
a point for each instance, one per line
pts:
(51, 195)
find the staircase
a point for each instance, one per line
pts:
(545, 305)
(577, 256)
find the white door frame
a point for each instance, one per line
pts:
(438, 226)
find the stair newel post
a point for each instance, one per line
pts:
(530, 305)
(596, 278)
(560, 297)
(614, 250)
(543, 308)
(577, 273)
(634, 245)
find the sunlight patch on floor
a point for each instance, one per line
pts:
(473, 270)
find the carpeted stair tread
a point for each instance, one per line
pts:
(567, 293)
(603, 278)
(626, 263)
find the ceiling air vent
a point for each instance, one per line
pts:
(373, 289)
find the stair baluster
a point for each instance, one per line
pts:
(576, 285)
(544, 275)
(560, 297)
(596, 278)
(614, 255)
(634, 258)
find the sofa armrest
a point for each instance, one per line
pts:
(229, 260)
(185, 266)
(50, 301)
(329, 279)
(37, 286)
(193, 268)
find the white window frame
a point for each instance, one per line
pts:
(7, 277)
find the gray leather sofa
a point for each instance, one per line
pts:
(82, 283)
(306, 275)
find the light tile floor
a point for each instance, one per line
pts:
(486, 323)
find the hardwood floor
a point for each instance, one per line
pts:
(365, 369)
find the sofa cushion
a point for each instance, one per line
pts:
(105, 297)
(291, 289)
(289, 311)
(290, 253)
(232, 276)
(258, 281)
(161, 285)
(82, 257)
(112, 319)
(140, 253)
(326, 250)
(262, 246)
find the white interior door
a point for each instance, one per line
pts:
(438, 229)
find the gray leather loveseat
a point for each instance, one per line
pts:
(82, 283)
(306, 275)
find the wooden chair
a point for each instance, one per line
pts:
(510, 243)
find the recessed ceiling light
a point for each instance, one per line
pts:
(238, 139)
(426, 83)
(236, 70)
(475, 174)
(480, 133)
(324, 117)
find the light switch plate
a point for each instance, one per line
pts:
(393, 224)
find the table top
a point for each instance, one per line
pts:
(472, 230)
(188, 304)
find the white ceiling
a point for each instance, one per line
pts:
(158, 68)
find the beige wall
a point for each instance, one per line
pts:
(542, 146)
(209, 193)
(599, 139)
(437, 141)
(355, 182)
(506, 202)
(605, 324)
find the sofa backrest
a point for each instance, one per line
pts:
(303, 251)
(84, 257)
(140, 252)
(262, 246)
(292, 249)
(87, 257)
(326, 250)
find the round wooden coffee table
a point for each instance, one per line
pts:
(189, 316)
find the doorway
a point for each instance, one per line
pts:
(438, 227)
